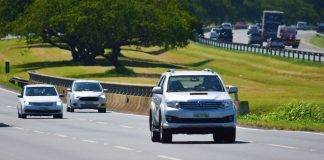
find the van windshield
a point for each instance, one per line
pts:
(40, 91)
(194, 83)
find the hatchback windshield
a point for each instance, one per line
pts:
(87, 86)
(40, 91)
(194, 83)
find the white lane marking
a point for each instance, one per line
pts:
(90, 120)
(89, 141)
(167, 157)
(101, 123)
(9, 91)
(130, 114)
(38, 132)
(10, 107)
(124, 148)
(124, 126)
(81, 119)
(105, 144)
(282, 146)
(60, 135)
(18, 128)
(312, 150)
(260, 129)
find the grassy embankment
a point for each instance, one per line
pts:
(317, 41)
(268, 83)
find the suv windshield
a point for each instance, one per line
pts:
(87, 86)
(194, 83)
(40, 91)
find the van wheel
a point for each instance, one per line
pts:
(102, 110)
(58, 116)
(68, 109)
(71, 109)
(24, 116)
(165, 135)
(155, 135)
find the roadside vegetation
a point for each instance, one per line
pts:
(317, 41)
(282, 93)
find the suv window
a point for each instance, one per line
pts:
(194, 83)
(161, 82)
(87, 86)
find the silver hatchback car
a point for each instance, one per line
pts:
(192, 102)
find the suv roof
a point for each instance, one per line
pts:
(39, 85)
(91, 81)
(205, 72)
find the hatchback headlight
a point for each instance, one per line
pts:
(103, 96)
(173, 104)
(228, 104)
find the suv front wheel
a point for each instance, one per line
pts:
(165, 135)
(226, 135)
(155, 135)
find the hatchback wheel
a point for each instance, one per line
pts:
(165, 135)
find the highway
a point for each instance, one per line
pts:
(240, 36)
(90, 135)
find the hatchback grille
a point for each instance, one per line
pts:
(89, 99)
(198, 104)
(42, 103)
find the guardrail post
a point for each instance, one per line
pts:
(313, 57)
(303, 55)
(7, 67)
(308, 56)
(320, 58)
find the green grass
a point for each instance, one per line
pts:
(266, 82)
(317, 41)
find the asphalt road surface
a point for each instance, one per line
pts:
(90, 135)
(240, 36)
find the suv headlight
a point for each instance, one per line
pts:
(58, 103)
(26, 103)
(228, 104)
(173, 104)
(76, 97)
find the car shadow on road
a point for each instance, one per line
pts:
(208, 142)
(45, 118)
(90, 112)
(4, 125)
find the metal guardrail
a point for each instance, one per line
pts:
(287, 53)
(118, 88)
(19, 81)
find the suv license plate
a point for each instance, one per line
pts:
(201, 115)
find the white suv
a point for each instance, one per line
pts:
(86, 94)
(192, 102)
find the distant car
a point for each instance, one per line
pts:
(226, 26)
(275, 43)
(86, 94)
(320, 28)
(301, 25)
(240, 25)
(40, 100)
(192, 102)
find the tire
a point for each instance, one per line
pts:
(226, 135)
(155, 136)
(58, 116)
(19, 115)
(24, 116)
(165, 135)
(102, 110)
(68, 109)
(71, 109)
(295, 46)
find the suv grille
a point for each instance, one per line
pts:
(42, 103)
(89, 99)
(198, 104)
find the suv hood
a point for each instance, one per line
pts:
(87, 94)
(186, 96)
(42, 99)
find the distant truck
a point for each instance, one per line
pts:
(222, 34)
(288, 35)
(270, 23)
(301, 25)
(272, 29)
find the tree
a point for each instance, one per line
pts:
(87, 27)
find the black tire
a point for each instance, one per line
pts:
(58, 116)
(155, 136)
(71, 109)
(165, 135)
(19, 115)
(102, 110)
(295, 46)
(24, 116)
(68, 109)
(226, 135)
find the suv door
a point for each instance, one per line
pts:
(156, 99)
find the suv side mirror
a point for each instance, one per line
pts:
(232, 89)
(105, 90)
(68, 90)
(157, 90)
(20, 96)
